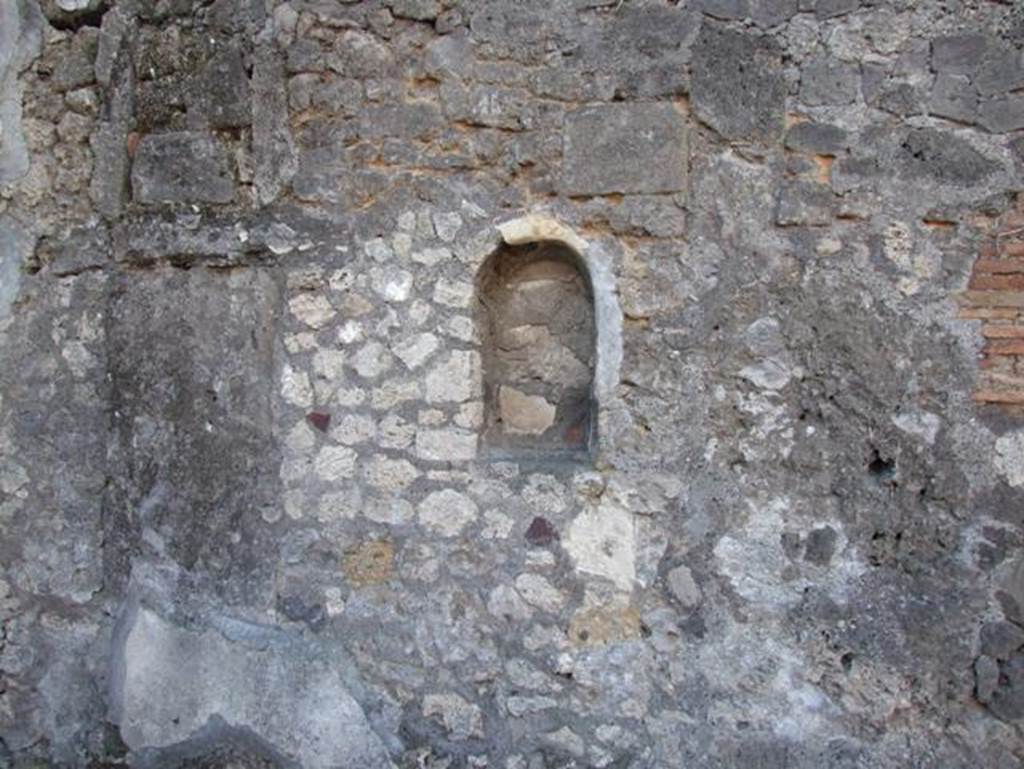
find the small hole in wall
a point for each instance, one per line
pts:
(536, 318)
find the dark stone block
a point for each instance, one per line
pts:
(223, 93)
(804, 203)
(1001, 70)
(955, 98)
(926, 153)
(1007, 700)
(827, 9)
(1003, 114)
(738, 87)
(770, 13)
(902, 99)
(821, 544)
(1001, 639)
(77, 65)
(960, 54)
(723, 9)
(624, 148)
(819, 138)
(828, 81)
(181, 168)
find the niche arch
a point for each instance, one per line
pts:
(550, 330)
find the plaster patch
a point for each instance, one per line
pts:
(602, 541)
(1010, 457)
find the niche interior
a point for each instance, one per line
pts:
(536, 319)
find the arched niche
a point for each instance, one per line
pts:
(550, 332)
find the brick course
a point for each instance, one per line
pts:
(995, 296)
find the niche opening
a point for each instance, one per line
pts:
(536, 320)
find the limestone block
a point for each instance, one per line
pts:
(183, 167)
(524, 414)
(624, 148)
(447, 512)
(738, 86)
(170, 684)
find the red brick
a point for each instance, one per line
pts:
(999, 266)
(987, 313)
(1002, 332)
(1014, 282)
(992, 298)
(999, 396)
(1011, 248)
(1005, 347)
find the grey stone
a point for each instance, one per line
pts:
(986, 675)
(955, 98)
(771, 13)
(723, 9)
(420, 10)
(1001, 70)
(828, 9)
(222, 93)
(738, 86)
(20, 41)
(902, 99)
(181, 168)
(15, 249)
(932, 154)
(170, 682)
(77, 65)
(959, 54)
(819, 138)
(84, 248)
(804, 203)
(1001, 639)
(624, 148)
(1001, 115)
(821, 545)
(273, 149)
(824, 80)
(1007, 700)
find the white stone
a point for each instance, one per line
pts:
(392, 511)
(300, 438)
(602, 541)
(537, 591)
(455, 380)
(353, 428)
(335, 462)
(173, 683)
(462, 720)
(505, 601)
(339, 506)
(372, 360)
(312, 309)
(415, 350)
(520, 706)
(470, 415)
(496, 525)
(295, 387)
(401, 242)
(329, 364)
(407, 221)
(447, 512)
(1010, 457)
(351, 331)
(391, 284)
(767, 374)
(453, 293)
(431, 256)
(419, 311)
(394, 432)
(296, 343)
(922, 424)
(446, 445)
(683, 587)
(461, 327)
(390, 474)
(431, 418)
(523, 414)
(447, 225)
(378, 250)
(390, 394)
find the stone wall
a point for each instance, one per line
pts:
(514, 384)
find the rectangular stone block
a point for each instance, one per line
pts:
(183, 167)
(624, 148)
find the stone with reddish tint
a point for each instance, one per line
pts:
(541, 532)
(319, 420)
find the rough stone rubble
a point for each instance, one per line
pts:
(248, 514)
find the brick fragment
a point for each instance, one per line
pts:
(992, 298)
(1005, 347)
(1006, 282)
(999, 266)
(987, 313)
(999, 396)
(1003, 332)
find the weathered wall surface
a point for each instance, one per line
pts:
(247, 516)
